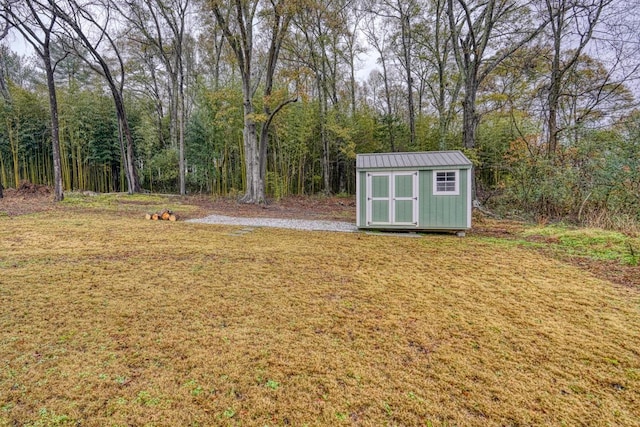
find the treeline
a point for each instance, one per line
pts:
(268, 99)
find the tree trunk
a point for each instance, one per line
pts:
(342, 175)
(322, 112)
(553, 121)
(181, 126)
(352, 85)
(254, 182)
(469, 115)
(406, 47)
(55, 127)
(387, 96)
(123, 156)
(129, 166)
(557, 26)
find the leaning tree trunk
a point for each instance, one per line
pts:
(55, 127)
(123, 158)
(133, 183)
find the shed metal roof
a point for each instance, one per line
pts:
(423, 159)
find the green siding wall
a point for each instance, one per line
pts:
(445, 212)
(434, 212)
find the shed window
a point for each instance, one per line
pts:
(446, 183)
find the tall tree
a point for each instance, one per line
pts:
(4, 31)
(97, 16)
(485, 33)
(572, 24)
(403, 14)
(318, 27)
(4, 88)
(378, 35)
(36, 23)
(434, 48)
(162, 26)
(238, 21)
(353, 18)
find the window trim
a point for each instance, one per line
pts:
(455, 192)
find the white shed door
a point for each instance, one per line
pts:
(392, 198)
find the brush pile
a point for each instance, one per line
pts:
(27, 188)
(165, 215)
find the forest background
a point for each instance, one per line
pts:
(270, 98)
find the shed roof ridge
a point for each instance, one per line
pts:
(412, 159)
(396, 153)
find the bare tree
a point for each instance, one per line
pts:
(378, 36)
(149, 78)
(211, 47)
(97, 16)
(238, 21)
(352, 18)
(485, 33)
(403, 13)
(434, 43)
(162, 26)
(4, 90)
(36, 23)
(572, 23)
(318, 26)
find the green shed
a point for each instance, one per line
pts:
(414, 191)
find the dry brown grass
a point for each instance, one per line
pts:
(110, 320)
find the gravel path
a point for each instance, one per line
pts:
(296, 224)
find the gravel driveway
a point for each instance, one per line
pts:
(296, 224)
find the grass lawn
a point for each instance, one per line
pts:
(107, 319)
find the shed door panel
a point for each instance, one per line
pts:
(380, 186)
(405, 198)
(379, 198)
(403, 212)
(392, 198)
(380, 211)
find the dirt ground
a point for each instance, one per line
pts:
(27, 199)
(31, 198)
(299, 207)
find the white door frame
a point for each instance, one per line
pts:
(392, 198)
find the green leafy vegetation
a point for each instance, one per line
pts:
(570, 241)
(593, 243)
